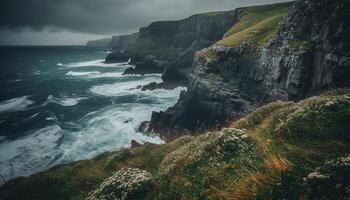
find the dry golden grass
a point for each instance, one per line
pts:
(134, 162)
(277, 163)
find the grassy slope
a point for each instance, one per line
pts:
(258, 24)
(76, 180)
(282, 144)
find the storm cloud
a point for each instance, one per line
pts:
(104, 16)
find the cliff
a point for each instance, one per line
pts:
(99, 43)
(267, 55)
(284, 150)
(170, 45)
(122, 42)
(118, 42)
(297, 147)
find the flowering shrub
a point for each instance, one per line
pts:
(331, 180)
(125, 184)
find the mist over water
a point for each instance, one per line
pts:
(60, 104)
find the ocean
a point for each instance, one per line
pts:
(62, 104)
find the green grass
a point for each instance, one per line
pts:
(77, 179)
(207, 53)
(258, 24)
(296, 44)
(265, 155)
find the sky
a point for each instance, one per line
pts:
(74, 22)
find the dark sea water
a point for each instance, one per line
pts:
(60, 104)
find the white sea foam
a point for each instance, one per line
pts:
(93, 63)
(107, 52)
(95, 74)
(51, 119)
(31, 153)
(33, 116)
(64, 101)
(15, 104)
(71, 73)
(125, 88)
(108, 129)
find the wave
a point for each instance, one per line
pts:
(95, 74)
(48, 134)
(109, 129)
(107, 52)
(31, 153)
(71, 73)
(64, 101)
(132, 88)
(15, 104)
(93, 63)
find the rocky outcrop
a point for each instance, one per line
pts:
(122, 42)
(170, 45)
(309, 52)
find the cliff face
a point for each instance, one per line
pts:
(171, 44)
(122, 42)
(118, 42)
(311, 51)
(99, 43)
(306, 52)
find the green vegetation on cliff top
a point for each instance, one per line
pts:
(282, 150)
(258, 24)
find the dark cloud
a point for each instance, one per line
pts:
(104, 16)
